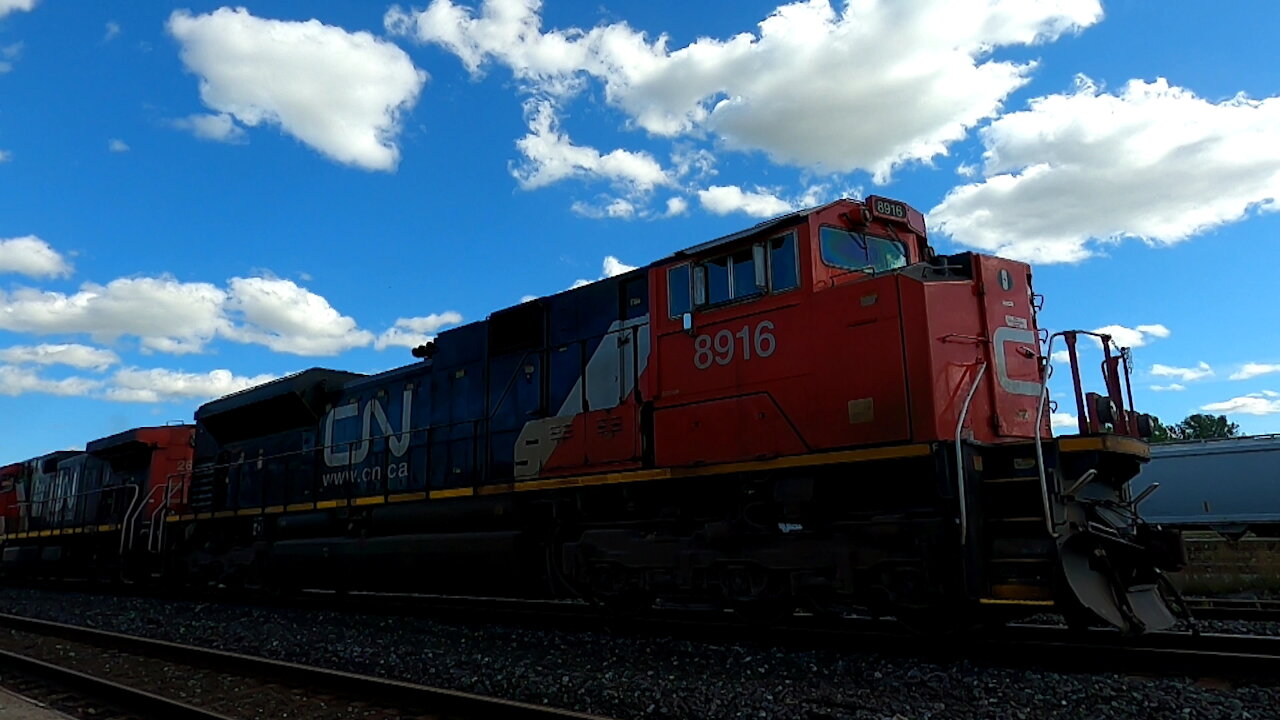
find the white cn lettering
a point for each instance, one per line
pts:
(397, 443)
(335, 455)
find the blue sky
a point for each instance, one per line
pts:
(197, 197)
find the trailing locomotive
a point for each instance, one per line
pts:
(818, 410)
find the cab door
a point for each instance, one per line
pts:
(723, 380)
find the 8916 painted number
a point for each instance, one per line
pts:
(720, 348)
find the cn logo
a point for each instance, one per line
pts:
(355, 453)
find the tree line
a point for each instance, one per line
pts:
(1197, 426)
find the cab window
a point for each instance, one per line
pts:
(679, 300)
(783, 265)
(856, 251)
(746, 273)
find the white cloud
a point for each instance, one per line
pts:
(159, 384)
(611, 267)
(1132, 337)
(341, 93)
(1076, 171)
(168, 315)
(8, 54)
(74, 355)
(1253, 370)
(1263, 403)
(5, 156)
(112, 30)
(1171, 387)
(614, 208)
(288, 318)
(415, 331)
(20, 381)
(1060, 356)
(8, 6)
(116, 145)
(1064, 421)
(218, 128)
(550, 156)
(924, 63)
(1198, 372)
(677, 206)
(31, 256)
(725, 199)
(176, 317)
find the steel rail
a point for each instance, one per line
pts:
(1205, 608)
(403, 695)
(117, 695)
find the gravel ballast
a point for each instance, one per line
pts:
(650, 677)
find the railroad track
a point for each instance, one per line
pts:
(1248, 657)
(1018, 645)
(1235, 609)
(104, 672)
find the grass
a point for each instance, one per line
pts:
(1224, 568)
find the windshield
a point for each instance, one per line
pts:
(852, 251)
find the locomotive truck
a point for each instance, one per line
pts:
(816, 411)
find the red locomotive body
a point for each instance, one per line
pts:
(818, 410)
(92, 513)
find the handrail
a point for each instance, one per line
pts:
(961, 488)
(157, 536)
(1049, 523)
(135, 509)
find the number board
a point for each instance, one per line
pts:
(890, 209)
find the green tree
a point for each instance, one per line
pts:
(1196, 426)
(1160, 433)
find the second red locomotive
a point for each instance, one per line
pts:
(817, 410)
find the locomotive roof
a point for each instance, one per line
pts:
(791, 218)
(120, 439)
(297, 384)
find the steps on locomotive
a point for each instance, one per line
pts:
(200, 492)
(1019, 555)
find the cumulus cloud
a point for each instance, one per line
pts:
(1063, 421)
(613, 208)
(1133, 337)
(175, 317)
(8, 6)
(415, 331)
(20, 381)
(342, 93)
(31, 256)
(1076, 171)
(160, 385)
(1171, 387)
(550, 156)
(5, 156)
(926, 64)
(167, 315)
(1253, 370)
(111, 32)
(1199, 372)
(218, 128)
(726, 199)
(288, 318)
(72, 354)
(1261, 403)
(116, 145)
(611, 267)
(677, 206)
(8, 54)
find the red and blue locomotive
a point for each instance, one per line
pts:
(818, 410)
